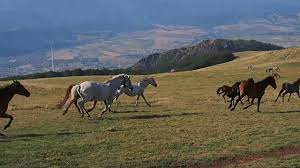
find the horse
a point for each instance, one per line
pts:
(250, 67)
(276, 69)
(289, 88)
(235, 92)
(94, 91)
(138, 90)
(6, 95)
(255, 90)
(231, 91)
(223, 90)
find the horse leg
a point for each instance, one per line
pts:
(248, 100)
(231, 102)
(242, 103)
(10, 121)
(76, 105)
(104, 110)
(289, 97)
(89, 110)
(224, 94)
(68, 103)
(117, 100)
(279, 94)
(81, 106)
(258, 104)
(298, 94)
(237, 101)
(143, 96)
(283, 96)
(252, 101)
(109, 102)
(137, 100)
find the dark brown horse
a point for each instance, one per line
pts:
(6, 94)
(289, 88)
(223, 90)
(255, 90)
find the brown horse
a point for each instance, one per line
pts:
(6, 94)
(255, 90)
(289, 88)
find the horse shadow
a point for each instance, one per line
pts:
(155, 116)
(282, 112)
(27, 137)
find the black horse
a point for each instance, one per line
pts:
(6, 94)
(289, 88)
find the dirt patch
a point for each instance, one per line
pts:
(237, 160)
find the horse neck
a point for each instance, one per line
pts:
(264, 84)
(297, 82)
(8, 93)
(115, 83)
(143, 84)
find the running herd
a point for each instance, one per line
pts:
(110, 90)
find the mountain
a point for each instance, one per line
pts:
(206, 53)
(113, 34)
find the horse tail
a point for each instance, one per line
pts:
(63, 102)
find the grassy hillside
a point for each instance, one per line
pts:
(187, 126)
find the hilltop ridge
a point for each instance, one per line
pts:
(206, 53)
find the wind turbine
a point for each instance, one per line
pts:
(52, 58)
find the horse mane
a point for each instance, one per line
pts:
(297, 81)
(114, 77)
(5, 88)
(265, 79)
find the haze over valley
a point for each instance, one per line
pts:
(117, 34)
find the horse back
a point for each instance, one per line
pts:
(247, 88)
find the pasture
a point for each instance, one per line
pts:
(187, 125)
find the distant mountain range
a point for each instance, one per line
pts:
(204, 54)
(117, 33)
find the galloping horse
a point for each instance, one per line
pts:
(289, 88)
(138, 90)
(6, 94)
(94, 91)
(255, 90)
(223, 90)
(231, 91)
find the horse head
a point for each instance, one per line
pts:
(127, 82)
(20, 89)
(152, 82)
(271, 81)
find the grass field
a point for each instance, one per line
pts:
(188, 126)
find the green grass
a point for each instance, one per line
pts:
(187, 125)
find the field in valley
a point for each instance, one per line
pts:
(187, 125)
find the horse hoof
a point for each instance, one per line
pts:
(6, 127)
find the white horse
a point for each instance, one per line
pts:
(138, 90)
(94, 91)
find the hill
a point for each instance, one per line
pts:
(206, 53)
(187, 125)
